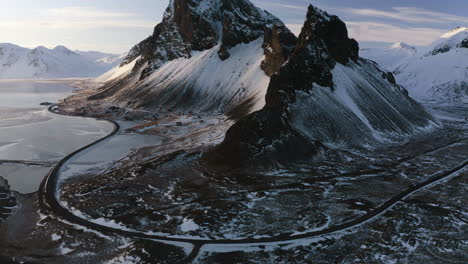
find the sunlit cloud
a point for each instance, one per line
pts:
(409, 14)
(380, 32)
(86, 12)
(79, 18)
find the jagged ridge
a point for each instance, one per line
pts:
(324, 94)
(205, 56)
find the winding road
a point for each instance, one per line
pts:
(48, 200)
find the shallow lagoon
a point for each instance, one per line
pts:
(29, 133)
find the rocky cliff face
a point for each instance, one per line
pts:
(204, 50)
(197, 25)
(324, 94)
(279, 43)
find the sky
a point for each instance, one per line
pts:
(117, 25)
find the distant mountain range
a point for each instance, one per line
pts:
(390, 56)
(60, 62)
(439, 71)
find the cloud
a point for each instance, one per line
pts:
(409, 14)
(79, 18)
(86, 12)
(380, 32)
(300, 7)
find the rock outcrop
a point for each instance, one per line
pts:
(279, 43)
(7, 200)
(205, 56)
(324, 94)
(197, 25)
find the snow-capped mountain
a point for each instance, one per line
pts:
(60, 62)
(440, 72)
(324, 96)
(390, 56)
(205, 56)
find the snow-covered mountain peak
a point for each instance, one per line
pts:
(390, 56)
(60, 62)
(64, 50)
(403, 46)
(205, 56)
(454, 32)
(323, 95)
(40, 49)
(456, 38)
(439, 73)
(197, 25)
(10, 46)
(7, 49)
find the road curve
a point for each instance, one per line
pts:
(48, 201)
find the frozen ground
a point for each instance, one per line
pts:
(143, 186)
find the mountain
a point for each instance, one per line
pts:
(60, 62)
(205, 56)
(325, 96)
(389, 56)
(439, 73)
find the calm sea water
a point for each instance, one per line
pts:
(29, 133)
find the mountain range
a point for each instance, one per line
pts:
(60, 62)
(436, 72)
(205, 56)
(293, 96)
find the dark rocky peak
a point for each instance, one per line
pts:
(267, 134)
(322, 43)
(304, 105)
(242, 22)
(322, 27)
(196, 25)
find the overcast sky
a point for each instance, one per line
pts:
(116, 25)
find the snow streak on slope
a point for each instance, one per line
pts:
(60, 62)
(206, 56)
(206, 83)
(362, 108)
(120, 71)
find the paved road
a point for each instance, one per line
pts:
(48, 201)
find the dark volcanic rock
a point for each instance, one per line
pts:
(464, 44)
(331, 31)
(307, 104)
(7, 201)
(193, 25)
(215, 28)
(268, 133)
(279, 43)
